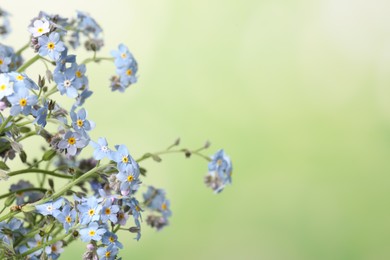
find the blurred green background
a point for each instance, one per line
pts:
(296, 92)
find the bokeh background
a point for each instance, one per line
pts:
(297, 92)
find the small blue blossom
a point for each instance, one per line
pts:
(51, 46)
(110, 238)
(37, 241)
(128, 177)
(41, 115)
(89, 210)
(81, 80)
(109, 212)
(122, 157)
(67, 217)
(86, 93)
(92, 232)
(26, 196)
(54, 250)
(107, 253)
(101, 149)
(63, 60)
(39, 27)
(72, 141)
(22, 80)
(80, 123)
(135, 210)
(22, 101)
(8, 230)
(5, 86)
(50, 208)
(66, 82)
(122, 218)
(128, 74)
(4, 62)
(155, 199)
(220, 171)
(122, 56)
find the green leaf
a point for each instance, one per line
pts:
(23, 156)
(48, 155)
(24, 129)
(3, 166)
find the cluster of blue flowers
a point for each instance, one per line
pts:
(54, 217)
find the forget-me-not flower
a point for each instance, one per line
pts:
(22, 101)
(72, 141)
(51, 46)
(92, 232)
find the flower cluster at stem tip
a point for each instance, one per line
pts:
(99, 199)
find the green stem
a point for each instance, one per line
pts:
(48, 243)
(22, 190)
(3, 125)
(51, 92)
(97, 59)
(149, 155)
(60, 175)
(71, 184)
(27, 136)
(28, 63)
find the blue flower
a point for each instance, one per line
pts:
(122, 56)
(81, 79)
(92, 232)
(37, 241)
(110, 238)
(109, 212)
(22, 102)
(72, 141)
(122, 157)
(66, 82)
(101, 149)
(51, 46)
(54, 250)
(80, 122)
(41, 115)
(220, 171)
(67, 217)
(39, 27)
(128, 74)
(135, 210)
(128, 177)
(89, 210)
(86, 93)
(50, 208)
(5, 86)
(107, 253)
(4, 62)
(127, 68)
(22, 80)
(64, 58)
(155, 199)
(27, 196)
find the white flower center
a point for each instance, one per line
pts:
(67, 83)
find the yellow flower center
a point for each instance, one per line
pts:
(219, 162)
(80, 123)
(51, 45)
(71, 140)
(108, 254)
(137, 208)
(111, 239)
(121, 216)
(1, 62)
(92, 233)
(3, 87)
(130, 178)
(107, 211)
(23, 102)
(79, 74)
(40, 30)
(125, 159)
(68, 219)
(53, 248)
(20, 77)
(123, 55)
(39, 243)
(91, 212)
(129, 72)
(164, 206)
